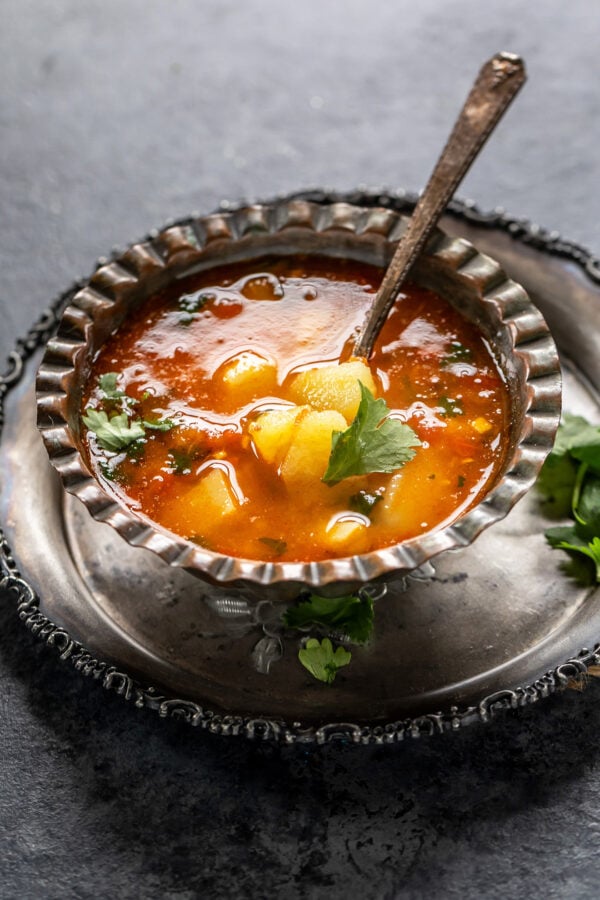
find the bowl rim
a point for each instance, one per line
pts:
(178, 250)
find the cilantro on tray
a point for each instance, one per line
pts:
(372, 443)
(570, 483)
(320, 659)
(351, 615)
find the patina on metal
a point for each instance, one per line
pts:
(527, 635)
(494, 89)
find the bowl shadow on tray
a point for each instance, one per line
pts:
(305, 813)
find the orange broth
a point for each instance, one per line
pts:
(216, 351)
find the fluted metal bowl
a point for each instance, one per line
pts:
(453, 268)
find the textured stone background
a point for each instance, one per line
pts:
(116, 115)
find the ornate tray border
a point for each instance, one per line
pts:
(124, 685)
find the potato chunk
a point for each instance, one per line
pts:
(308, 454)
(245, 376)
(410, 504)
(333, 387)
(213, 497)
(204, 506)
(273, 430)
(346, 534)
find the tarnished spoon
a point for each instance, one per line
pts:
(497, 83)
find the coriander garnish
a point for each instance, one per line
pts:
(373, 442)
(570, 481)
(321, 660)
(115, 433)
(119, 432)
(277, 546)
(351, 615)
(364, 502)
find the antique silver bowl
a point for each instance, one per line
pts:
(453, 268)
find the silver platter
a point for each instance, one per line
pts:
(495, 625)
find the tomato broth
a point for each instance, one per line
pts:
(212, 409)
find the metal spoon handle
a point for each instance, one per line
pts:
(497, 83)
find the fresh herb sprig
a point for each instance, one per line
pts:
(570, 483)
(190, 304)
(372, 443)
(351, 617)
(116, 433)
(119, 431)
(364, 502)
(108, 386)
(321, 660)
(456, 353)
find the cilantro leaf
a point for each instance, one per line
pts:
(566, 538)
(352, 615)
(560, 479)
(364, 502)
(589, 453)
(557, 481)
(589, 504)
(275, 545)
(108, 386)
(457, 352)
(191, 303)
(182, 459)
(570, 480)
(158, 424)
(115, 433)
(575, 431)
(449, 407)
(321, 661)
(561, 534)
(372, 443)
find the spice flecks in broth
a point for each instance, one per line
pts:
(236, 383)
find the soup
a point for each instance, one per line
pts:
(216, 408)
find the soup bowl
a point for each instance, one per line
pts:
(452, 268)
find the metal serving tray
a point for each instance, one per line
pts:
(493, 626)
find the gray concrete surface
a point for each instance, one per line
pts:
(117, 115)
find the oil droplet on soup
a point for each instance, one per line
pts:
(239, 377)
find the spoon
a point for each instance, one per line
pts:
(498, 82)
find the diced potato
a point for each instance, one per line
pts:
(245, 376)
(205, 505)
(333, 387)
(346, 534)
(391, 512)
(213, 497)
(308, 454)
(403, 511)
(273, 430)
